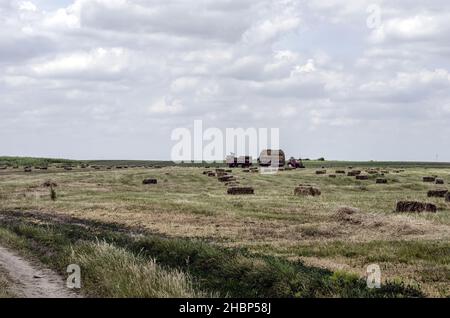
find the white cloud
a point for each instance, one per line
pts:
(96, 63)
(135, 69)
(166, 105)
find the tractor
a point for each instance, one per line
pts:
(296, 164)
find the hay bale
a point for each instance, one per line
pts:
(240, 190)
(439, 181)
(320, 172)
(382, 181)
(307, 190)
(226, 178)
(246, 170)
(447, 197)
(440, 193)
(150, 181)
(429, 179)
(211, 174)
(414, 206)
(232, 184)
(27, 170)
(362, 177)
(207, 172)
(332, 176)
(340, 172)
(354, 173)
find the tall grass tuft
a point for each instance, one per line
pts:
(116, 272)
(52, 193)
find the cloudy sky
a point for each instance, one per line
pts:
(91, 79)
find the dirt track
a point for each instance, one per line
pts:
(31, 281)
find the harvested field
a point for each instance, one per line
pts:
(272, 221)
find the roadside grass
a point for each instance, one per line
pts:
(107, 270)
(118, 263)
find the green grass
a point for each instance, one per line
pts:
(28, 161)
(121, 265)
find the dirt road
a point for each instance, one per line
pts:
(31, 281)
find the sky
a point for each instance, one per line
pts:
(112, 79)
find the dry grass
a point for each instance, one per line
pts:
(186, 203)
(115, 272)
(5, 291)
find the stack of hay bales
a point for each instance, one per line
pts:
(307, 190)
(414, 206)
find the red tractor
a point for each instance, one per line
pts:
(295, 164)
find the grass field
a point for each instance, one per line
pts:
(270, 244)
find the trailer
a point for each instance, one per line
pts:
(242, 161)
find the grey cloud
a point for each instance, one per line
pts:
(113, 78)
